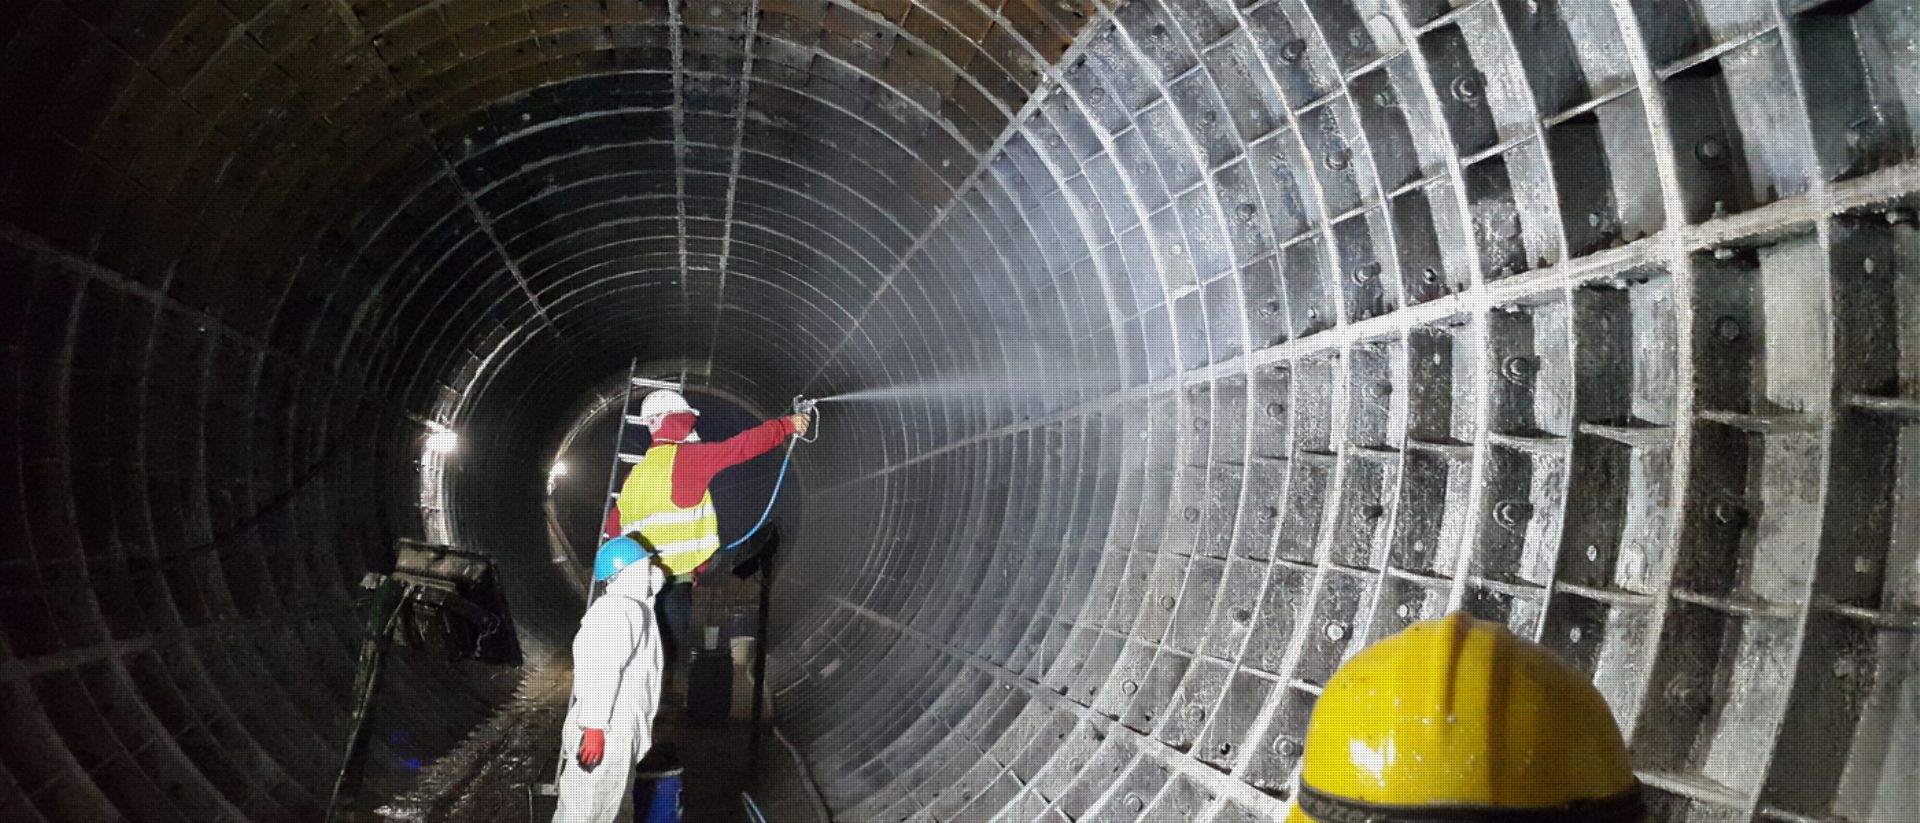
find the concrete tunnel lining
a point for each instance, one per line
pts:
(1243, 335)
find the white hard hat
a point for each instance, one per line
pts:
(662, 403)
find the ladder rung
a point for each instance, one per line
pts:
(630, 458)
(634, 420)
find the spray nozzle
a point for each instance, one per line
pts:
(810, 407)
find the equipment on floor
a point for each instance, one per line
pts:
(710, 687)
(438, 599)
(658, 781)
(1460, 719)
(753, 809)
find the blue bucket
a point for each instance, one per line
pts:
(656, 795)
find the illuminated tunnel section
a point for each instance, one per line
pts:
(1241, 334)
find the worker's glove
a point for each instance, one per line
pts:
(593, 746)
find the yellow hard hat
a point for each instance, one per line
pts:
(1458, 719)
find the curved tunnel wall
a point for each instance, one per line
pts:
(1264, 329)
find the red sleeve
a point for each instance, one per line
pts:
(612, 526)
(697, 463)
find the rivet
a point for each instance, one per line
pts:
(1313, 314)
(1196, 713)
(1710, 150)
(1729, 512)
(1372, 511)
(1382, 389)
(1574, 634)
(1511, 513)
(1287, 747)
(1428, 275)
(1192, 514)
(1247, 211)
(1519, 368)
(1405, 611)
(1468, 86)
(1159, 30)
(1336, 631)
(1270, 308)
(1096, 94)
(1208, 118)
(1363, 274)
(1593, 553)
(1340, 159)
(1135, 804)
(1727, 328)
(1242, 615)
(1199, 424)
(1226, 749)
(1268, 513)
(1292, 50)
(1129, 687)
(1167, 602)
(1276, 409)
(1384, 99)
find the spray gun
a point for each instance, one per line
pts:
(810, 407)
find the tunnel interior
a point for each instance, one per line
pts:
(1202, 343)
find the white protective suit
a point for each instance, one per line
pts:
(616, 688)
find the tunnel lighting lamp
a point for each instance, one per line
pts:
(558, 470)
(442, 441)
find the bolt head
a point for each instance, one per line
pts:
(1711, 150)
(1468, 87)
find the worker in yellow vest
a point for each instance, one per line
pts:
(1458, 719)
(666, 500)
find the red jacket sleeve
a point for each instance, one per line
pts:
(612, 526)
(697, 463)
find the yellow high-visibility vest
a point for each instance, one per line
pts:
(681, 539)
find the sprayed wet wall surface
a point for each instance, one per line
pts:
(1264, 329)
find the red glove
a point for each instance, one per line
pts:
(593, 746)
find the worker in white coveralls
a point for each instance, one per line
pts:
(670, 528)
(667, 498)
(616, 687)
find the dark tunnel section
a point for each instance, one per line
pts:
(1175, 350)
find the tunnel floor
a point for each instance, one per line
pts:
(485, 778)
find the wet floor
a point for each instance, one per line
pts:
(486, 778)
